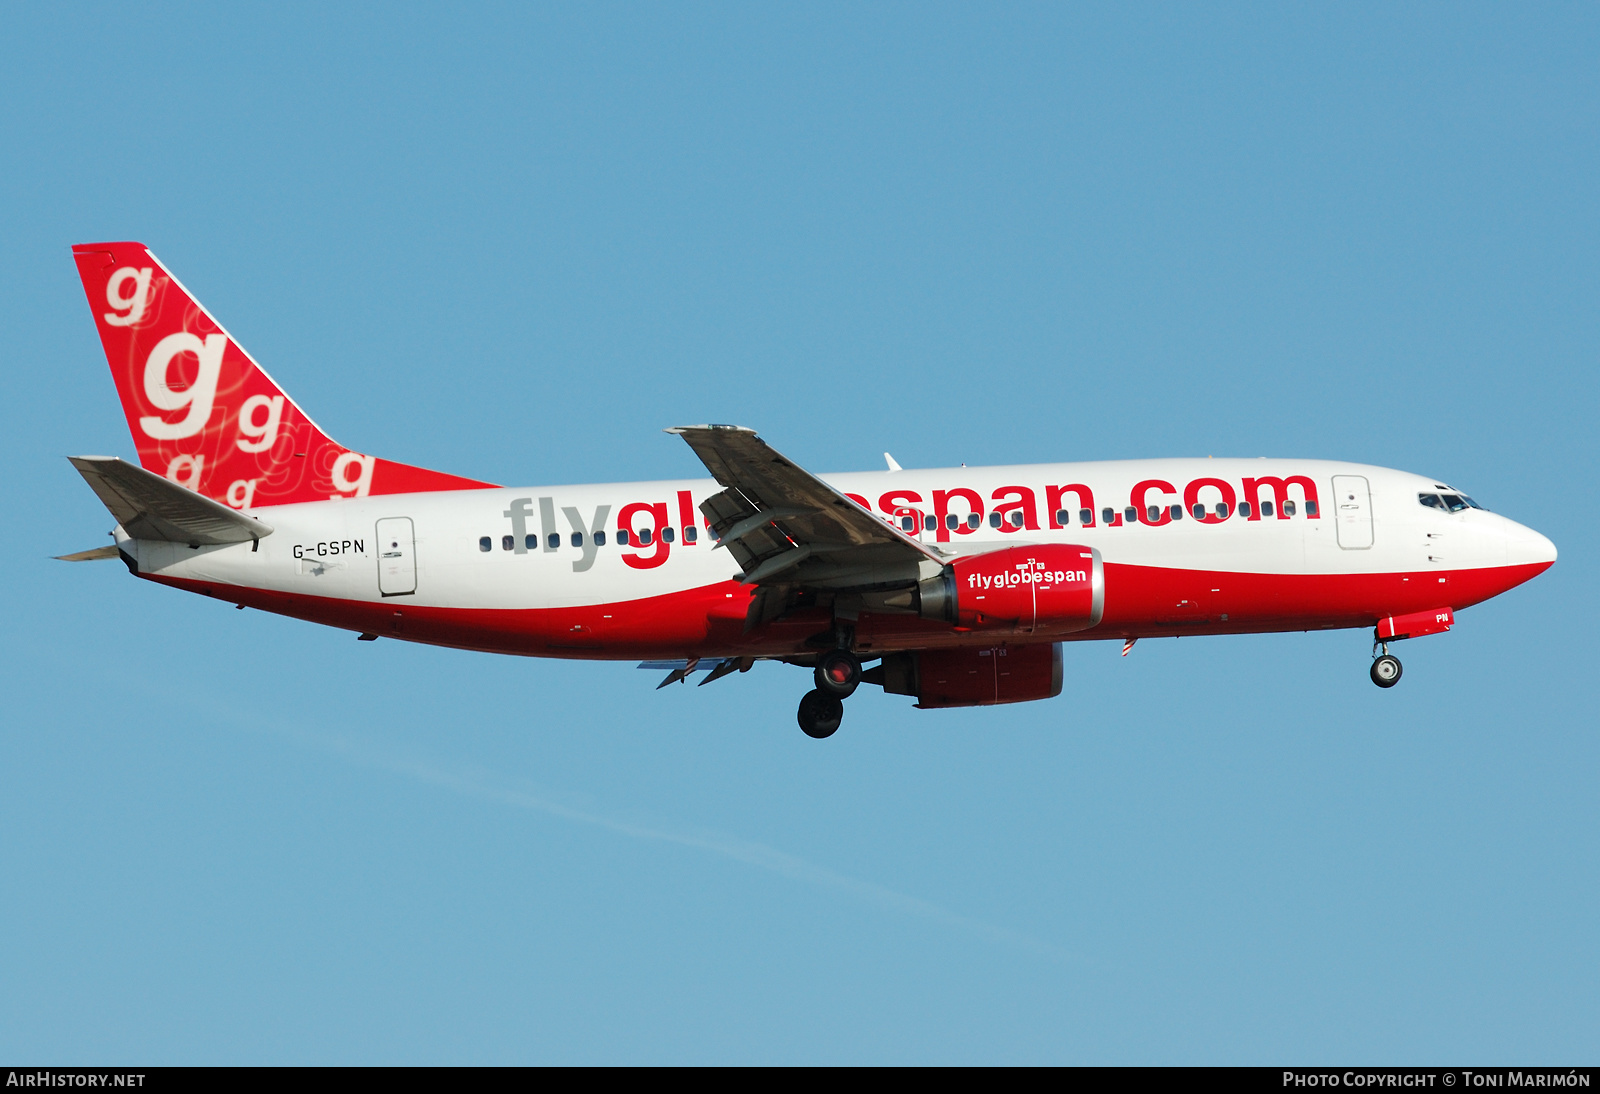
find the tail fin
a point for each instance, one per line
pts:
(202, 412)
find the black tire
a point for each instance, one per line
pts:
(1386, 671)
(820, 714)
(838, 673)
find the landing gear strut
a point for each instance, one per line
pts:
(1385, 667)
(820, 714)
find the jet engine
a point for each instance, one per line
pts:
(972, 677)
(1052, 588)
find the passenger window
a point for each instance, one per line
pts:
(554, 540)
(1063, 517)
(1175, 511)
(644, 535)
(1266, 508)
(599, 539)
(668, 535)
(908, 524)
(951, 521)
(1086, 517)
(1288, 508)
(1222, 510)
(485, 543)
(1017, 519)
(1244, 510)
(930, 523)
(690, 533)
(1152, 513)
(1199, 511)
(1108, 515)
(623, 536)
(507, 542)
(1130, 515)
(530, 542)
(1311, 508)
(577, 539)
(994, 520)
(973, 520)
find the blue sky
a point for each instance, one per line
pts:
(514, 243)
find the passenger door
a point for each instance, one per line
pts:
(1352, 501)
(397, 557)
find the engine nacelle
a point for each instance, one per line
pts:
(1052, 588)
(973, 677)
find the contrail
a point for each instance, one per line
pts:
(487, 786)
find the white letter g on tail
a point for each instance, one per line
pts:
(262, 434)
(199, 395)
(130, 307)
(358, 483)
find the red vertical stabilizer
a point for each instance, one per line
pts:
(203, 413)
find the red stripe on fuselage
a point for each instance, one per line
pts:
(1141, 601)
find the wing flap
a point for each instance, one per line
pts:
(773, 510)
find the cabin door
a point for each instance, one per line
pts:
(397, 557)
(1352, 508)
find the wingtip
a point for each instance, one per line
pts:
(94, 554)
(723, 426)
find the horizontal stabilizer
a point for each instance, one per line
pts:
(94, 554)
(151, 507)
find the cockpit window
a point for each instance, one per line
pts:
(1453, 503)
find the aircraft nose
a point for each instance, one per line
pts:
(1525, 547)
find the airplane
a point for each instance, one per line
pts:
(961, 583)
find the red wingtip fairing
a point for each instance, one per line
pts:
(203, 413)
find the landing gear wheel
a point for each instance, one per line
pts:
(838, 673)
(820, 714)
(1386, 671)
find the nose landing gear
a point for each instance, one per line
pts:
(838, 674)
(1385, 667)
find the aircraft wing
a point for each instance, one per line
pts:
(151, 507)
(785, 526)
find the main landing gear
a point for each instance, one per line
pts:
(838, 674)
(1385, 666)
(820, 714)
